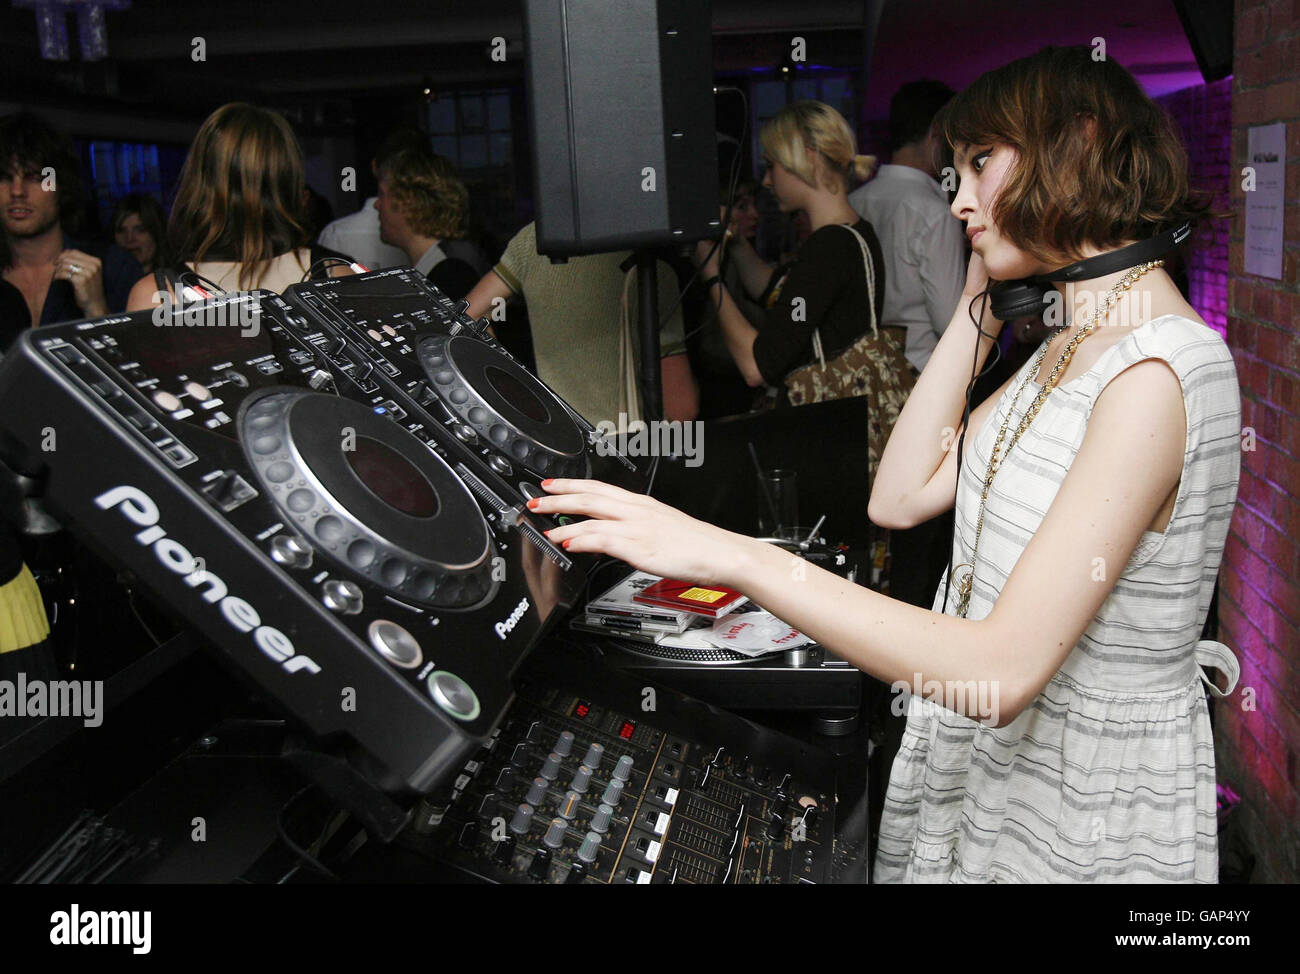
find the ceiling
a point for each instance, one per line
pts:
(320, 53)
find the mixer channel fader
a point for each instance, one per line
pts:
(573, 790)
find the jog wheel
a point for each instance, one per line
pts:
(369, 496)
(505, 405)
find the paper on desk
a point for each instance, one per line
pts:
(754, 634)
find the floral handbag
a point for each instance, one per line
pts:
(873, 366)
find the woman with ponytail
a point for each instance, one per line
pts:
(820, 336)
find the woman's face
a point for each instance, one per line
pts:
(744, 216)
(981, 170)
(132, 237)
(788, 188)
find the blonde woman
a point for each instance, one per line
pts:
(809, 160)
(820, 336)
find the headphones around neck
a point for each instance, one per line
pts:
(1018, 299)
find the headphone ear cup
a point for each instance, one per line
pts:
(1016, 299)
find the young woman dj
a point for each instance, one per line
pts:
(1092, 507)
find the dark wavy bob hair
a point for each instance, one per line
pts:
(1099, 162)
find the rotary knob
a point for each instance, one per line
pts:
(464, 433)
(290, 551)
(555, 833)
(594, 754)
(522, 820)
(590, 846)
(613, 792)
(581, 780)
(501, 465)
(341, 597)
(569, 807)
(536, 792)
(551, 767)
(564, 744)
(623, 770)
(600, 821)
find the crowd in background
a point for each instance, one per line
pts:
(736, 338)
(843, 291)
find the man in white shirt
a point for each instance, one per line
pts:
(923, 243)
(357, 234)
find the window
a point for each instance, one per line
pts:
(119, 168)
(472, 128)
(475, 130)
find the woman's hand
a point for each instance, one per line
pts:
(977, 276)
(86, 275)
(708, 253)
(643, 532)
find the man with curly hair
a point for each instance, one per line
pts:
(423, 209)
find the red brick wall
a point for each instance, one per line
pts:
(1258, 749)
(1204, 114)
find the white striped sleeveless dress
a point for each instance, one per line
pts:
(1108, 775)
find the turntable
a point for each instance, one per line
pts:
(443, 367)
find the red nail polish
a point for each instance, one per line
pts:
(548, 481)
(565, 543)
(532, 503)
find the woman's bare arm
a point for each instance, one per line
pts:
(924, 434)
(755, 272)
(1130, 459)
(144, 294)
(738, 333)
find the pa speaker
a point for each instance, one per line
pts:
(622, 121)
(1209, 28)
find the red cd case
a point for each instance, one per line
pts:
(711, 601)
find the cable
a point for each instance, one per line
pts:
(324, 262)
(183, 279)
(306, 857)
(135, 611)
(733, 180)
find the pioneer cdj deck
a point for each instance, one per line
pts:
(331, 487)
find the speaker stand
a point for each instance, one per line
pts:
(647, 289)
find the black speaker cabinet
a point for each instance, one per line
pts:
(1209, 28)
(621, 115)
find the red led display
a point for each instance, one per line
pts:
(582, 710)
(627, 730)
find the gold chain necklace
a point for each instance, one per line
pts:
(967, 580)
